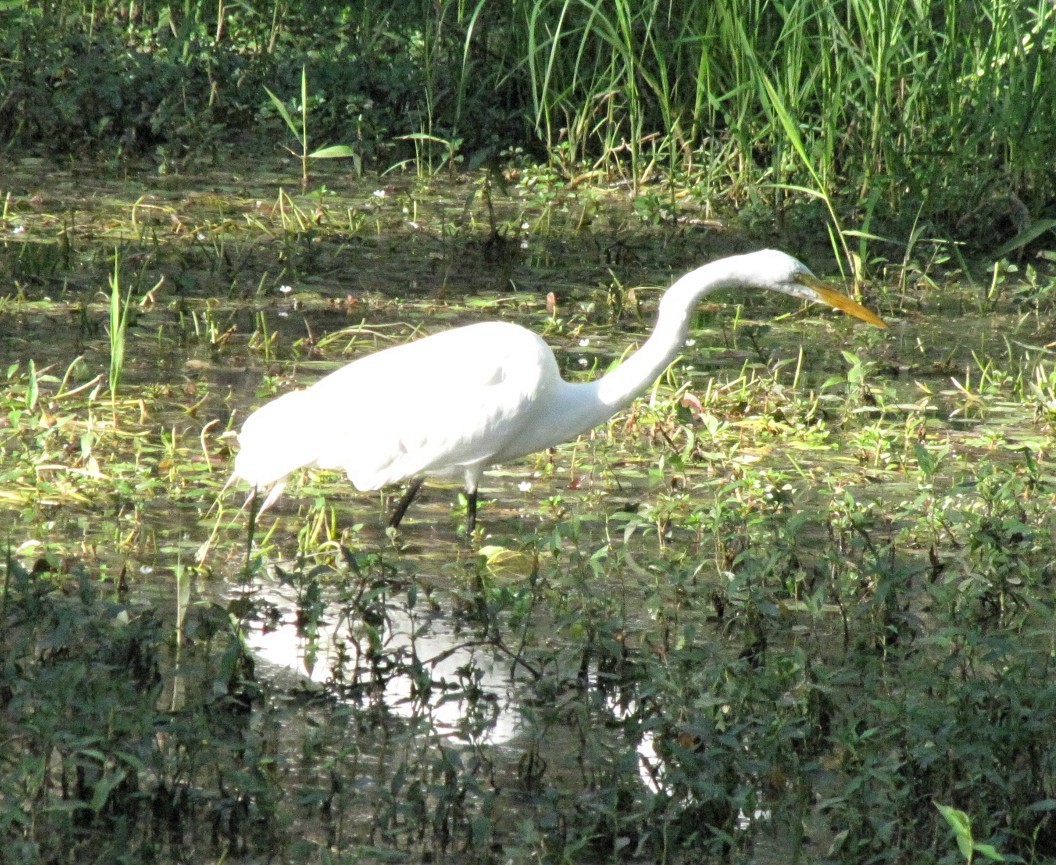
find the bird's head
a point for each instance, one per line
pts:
(779, 271)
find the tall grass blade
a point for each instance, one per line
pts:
(1024, 237)
(119, 304)
(284, 113)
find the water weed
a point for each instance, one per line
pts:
(299, 128)
(118, 327)
(797, 592)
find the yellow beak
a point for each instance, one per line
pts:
(824, 293)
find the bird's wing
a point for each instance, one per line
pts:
(442, 405)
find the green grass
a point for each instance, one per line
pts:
(299, 129)
(119, 303)
(798, 593)
(898, 120)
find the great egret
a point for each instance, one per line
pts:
(456, 402)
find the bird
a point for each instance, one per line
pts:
(451, 404)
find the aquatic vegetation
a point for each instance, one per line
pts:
(798, 591)
(299, 128)
(898, 127)
(795, 604)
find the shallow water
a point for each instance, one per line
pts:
(241, 288)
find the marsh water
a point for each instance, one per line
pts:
(239, 287)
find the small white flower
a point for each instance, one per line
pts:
(285, 289)
(18, 229)
(524, 486)
(690, 343)
(379, 193)
(583, 343)
(583, 362)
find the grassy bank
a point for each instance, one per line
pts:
(899, 120)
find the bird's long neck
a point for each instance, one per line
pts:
(618, 388)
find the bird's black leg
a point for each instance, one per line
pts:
(405, 501)
(471, 511)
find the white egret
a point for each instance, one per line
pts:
(456, 402)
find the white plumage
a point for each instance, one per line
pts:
(453, 403)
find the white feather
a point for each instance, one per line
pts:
(456, 402)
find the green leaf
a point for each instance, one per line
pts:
(333, 151)
(962, 827)
(958, 820)
(1024, 237)
(423, 136)
(104, 787)
(989, 852)
(284, 112)
(32, 390)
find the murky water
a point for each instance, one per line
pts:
(240, 289)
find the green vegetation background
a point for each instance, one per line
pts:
(836, 649)
(892, 117)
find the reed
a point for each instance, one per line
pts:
(861, 105)
(118, 327)
(299, 128)
(897, 115)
